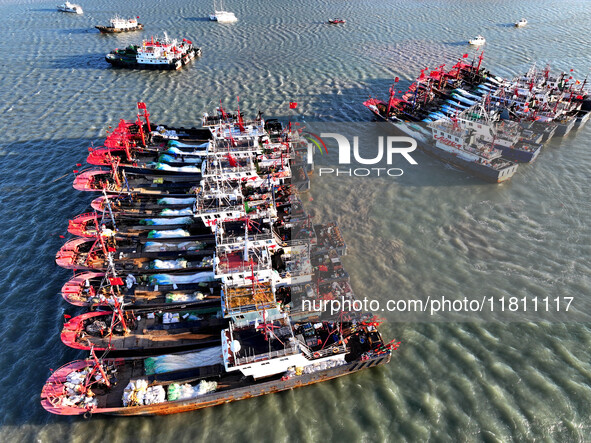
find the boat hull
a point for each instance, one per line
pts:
(564, 128)
(130, 63)
(111, 30)
(483, 172)
(139, 343)
(519, 155)
(214, 398)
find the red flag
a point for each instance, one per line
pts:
(293, 105)
(141, 105)
(189, 42)
(232, 161)
(66, 316)
(75, 171)
(116, 281)
(579, 97)
(111, 249)
(396, 80)
(62, 236)
(571, 70)
(323, 268)
(465, 56)
(138, 17)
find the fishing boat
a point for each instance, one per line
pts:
(477, 41)
(140, 206)
(336, 21)
(459, 147)
(70, 7)
(147, 161)
(174, 226)
(521, 23)
(251, 361)
(91, 289)
(118, 24)
(117, 181)
(144, 331)
(510, 137)
(155, 54)
(150, 257)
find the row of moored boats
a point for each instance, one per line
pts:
(482, 123)
(200, 272)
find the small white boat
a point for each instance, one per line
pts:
(521, 23)
(477, 41)
(221, 15)
(70, 7)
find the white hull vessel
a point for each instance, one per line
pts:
(70, 7)
(223, 17)
(478, 41)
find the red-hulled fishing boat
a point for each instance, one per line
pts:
(90, 224)
(216, 375)
(144, 332)
(117, 182)
(143, 161)
(97, 289)
(139, 205)
(168, 255)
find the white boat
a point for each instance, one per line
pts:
(521, 23)
(478, 40)
(70, 7)
(222, 16)
(118, 24)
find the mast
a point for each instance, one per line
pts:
(480, 60)
(240, 121)
(142, 105)
(108, 203)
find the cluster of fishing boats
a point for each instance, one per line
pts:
(194, 267)
(483, 123)
(154, 53)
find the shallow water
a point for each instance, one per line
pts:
(433, 232)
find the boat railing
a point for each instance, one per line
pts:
(289, 350)
(227, 239)
(221, 210)
(226, 268)
(448, 127)
(83, 216)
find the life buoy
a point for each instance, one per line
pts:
(335, 350)
(316, 354)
